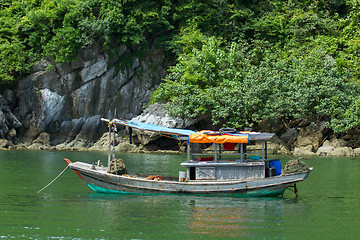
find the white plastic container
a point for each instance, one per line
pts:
(182, 176)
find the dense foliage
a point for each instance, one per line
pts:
(236, 61)
(283, 59)
(32, 29)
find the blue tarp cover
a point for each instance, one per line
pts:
(196, 136)
(155, 128)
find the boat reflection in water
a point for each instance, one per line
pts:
(234, 218)
(229, 221)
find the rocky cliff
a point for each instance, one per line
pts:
(67, 100)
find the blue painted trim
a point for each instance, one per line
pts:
(103, 190)
(98, 189)
(256, 193)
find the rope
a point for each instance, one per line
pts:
(54, 179)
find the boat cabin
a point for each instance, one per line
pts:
(229, 160)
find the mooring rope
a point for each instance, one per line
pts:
(54, 179)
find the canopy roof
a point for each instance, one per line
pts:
(154, 128)
(195, 136)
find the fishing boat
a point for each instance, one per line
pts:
(233, 162)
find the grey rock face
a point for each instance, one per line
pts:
(157, 114)
(49, 101)
(90, 129)
(3, 126)
(290, 136)
(12, 120)
(54, 110)
(92, 71)
(31, 114)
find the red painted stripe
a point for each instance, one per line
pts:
(77, 172)
(67, 161)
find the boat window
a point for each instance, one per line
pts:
(192, 173)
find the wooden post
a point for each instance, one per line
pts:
(216, 152)
(241, 151)
(266, 156)
(188, 151)
(114, 126)
(109, 154)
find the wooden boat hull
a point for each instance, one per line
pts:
(100, 181)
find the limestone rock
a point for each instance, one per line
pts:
(157, 114)
(12, 133)
(356, 152)
(3, 126)
(121, 144)
(277, 146)
(54, 110)
(43, 138)
(11, 119)
(335, 147)
(337, 143)
(92, 128)
(90, 86)
(342, 151)
(273, 125)
(31, 114)
(290, 136)
(69, 130)
(5, 144)
(310, 137)
(127, 147)
(9, 97)
(41, 65)
(103, 143)
(303, 152)
(38, 146)
(93, 70)
(78, 144)
(326, 149)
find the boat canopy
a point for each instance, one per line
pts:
(205, 136)
(154, 128)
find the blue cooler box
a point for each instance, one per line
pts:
(277, 165)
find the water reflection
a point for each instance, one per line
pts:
(196, 216)
(230, 217)
(219, 218)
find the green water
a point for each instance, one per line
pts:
(328, 206)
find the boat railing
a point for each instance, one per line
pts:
(220, 154)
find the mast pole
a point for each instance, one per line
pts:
(216, 152)
(114, 130)
(188, 149)
(109, 154)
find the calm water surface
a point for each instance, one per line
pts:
(328, 206)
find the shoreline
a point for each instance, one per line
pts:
(274, 148)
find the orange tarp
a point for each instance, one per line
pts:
(225, 138)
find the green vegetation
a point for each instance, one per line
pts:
(32, 29)
(278, 59)
(236, 61)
